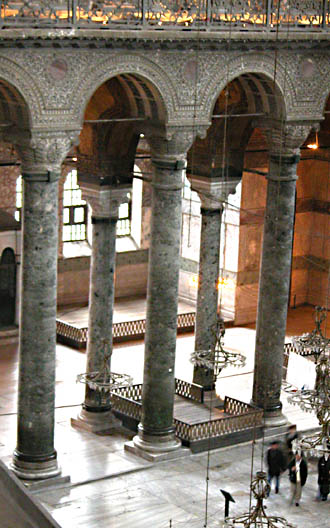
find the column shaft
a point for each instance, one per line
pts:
(162, 303)
(274, 284)
(101, 301)
(207, 296)
(36, 389)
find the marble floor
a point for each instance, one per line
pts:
(112, 488)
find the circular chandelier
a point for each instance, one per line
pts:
(257, 517)
(313, 343)
(318, 401)
(218, 358)
(105, 381)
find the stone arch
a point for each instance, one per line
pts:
(135, 66)
(20, 96)
(258, 66)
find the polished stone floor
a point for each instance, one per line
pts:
(111, 488)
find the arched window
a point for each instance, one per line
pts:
(74, 210)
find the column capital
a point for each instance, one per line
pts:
(42, 151)
(213, 191)
(172, 144)
(104, 200)
(286, 138)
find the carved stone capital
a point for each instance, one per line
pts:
(213, 191)
(104, 200)
(285, 139)
(173, 143)
(44, 151)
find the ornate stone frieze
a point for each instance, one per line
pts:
(43, 152)
(57, 84)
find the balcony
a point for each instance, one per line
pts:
(195, 15)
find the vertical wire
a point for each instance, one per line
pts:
(220, 297)
(194, 122)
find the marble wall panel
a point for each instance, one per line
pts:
(302, 233)
(299, 287)
(320, 239)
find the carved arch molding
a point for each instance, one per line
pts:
(60, 101)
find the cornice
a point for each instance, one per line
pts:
(165, 39)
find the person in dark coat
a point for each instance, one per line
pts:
(290, 437)
(298, 475)
(324, 476)
(276, 463)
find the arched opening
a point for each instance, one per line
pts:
(7, 288)
(233, 146)
(113, 143)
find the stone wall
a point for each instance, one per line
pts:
(130, 277)
(311, 246)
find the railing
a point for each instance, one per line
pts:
(246, 418)
(153, 14)
(77, 337)
(241, 416)
(192, 391)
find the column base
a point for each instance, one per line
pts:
(275, 419)
(52, 482)
(35, 470)
(153, 452)
(95, 422)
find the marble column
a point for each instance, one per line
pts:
(156, 430)
(104, 201)
(274, 280)
(35, 456)
(212, 193)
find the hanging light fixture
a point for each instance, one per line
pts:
(104, 381)
(314, 343)
(257, 517)
(318, 401)
(218, 358)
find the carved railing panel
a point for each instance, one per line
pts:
(298, 13)
(107, 12)
(154, 14)
(35, 13)
(244, 13)
(121, 330)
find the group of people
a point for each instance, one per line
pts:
(280, 459)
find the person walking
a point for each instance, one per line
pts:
(324, 476)
(276, 463)
(290, 437)
(298, 475)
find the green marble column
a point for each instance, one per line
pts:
(156, 430)
(104, 200)
(35, 456)
(274, 285)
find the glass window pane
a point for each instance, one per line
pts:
(66, 233)
(19, 184)
(67, 198)
(79, 215)
(66, 215)
(123, 210)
